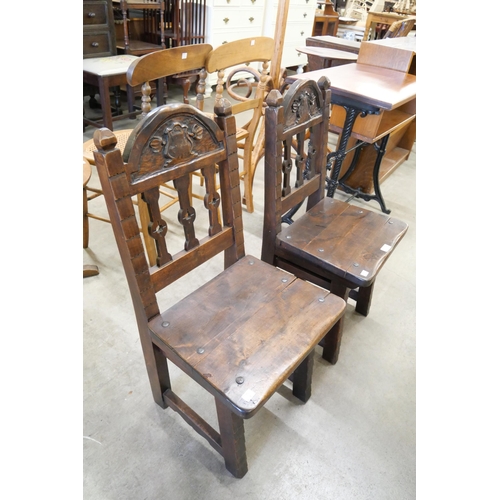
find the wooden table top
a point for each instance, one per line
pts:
(334, 40)
(327, 53)
(384, 88)
(402, 42)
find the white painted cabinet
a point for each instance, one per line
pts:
(229, 20)
(299, 26)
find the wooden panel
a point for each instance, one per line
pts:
(334, 42)
(371, 128)
(382, 56)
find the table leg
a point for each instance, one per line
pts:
(376, 182)
(107, 119)
(333, 180)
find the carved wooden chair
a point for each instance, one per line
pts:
(333, 244)
(240, 79)
(243, 333)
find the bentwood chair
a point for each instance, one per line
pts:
(245, 84)
(244, 332)
(333, 244)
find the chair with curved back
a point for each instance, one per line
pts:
(244, 332)
(240, 79)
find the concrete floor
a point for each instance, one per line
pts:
(354, 439)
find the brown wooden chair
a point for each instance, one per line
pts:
(240, 79)
(244, 332)
(333, 244)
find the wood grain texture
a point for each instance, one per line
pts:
(342, 239)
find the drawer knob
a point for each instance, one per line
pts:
(91, 14)
(226, 19)
(95, 44)
(250, 19)
(253, 1)
(301, 33)
(305, 15)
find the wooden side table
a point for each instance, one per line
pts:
(371, 105)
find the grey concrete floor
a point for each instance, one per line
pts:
(354, 439)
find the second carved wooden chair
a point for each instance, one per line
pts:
(243, 332)
(333, 244)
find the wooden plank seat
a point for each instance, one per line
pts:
(333, 244)
(249, 328)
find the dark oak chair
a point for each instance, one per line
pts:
(333, 244)
(243, 333)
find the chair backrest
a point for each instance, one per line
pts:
(167, 146)
(246, 86)
(400, 28)
(163, 63)
(296, 141)
(236, 57)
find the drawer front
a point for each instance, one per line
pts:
(230, 19)
(96, 45)
(299, 14)
(95, 13)
(238, 3)
(221, 37)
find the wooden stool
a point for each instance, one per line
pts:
(105, 73)
(88, 270)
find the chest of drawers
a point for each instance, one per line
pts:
(299, 26)
(229, 20)
(98, 29)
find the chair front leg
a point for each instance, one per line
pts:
(232, 434)
(302, 378)
(332, 340)
(364, 299)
